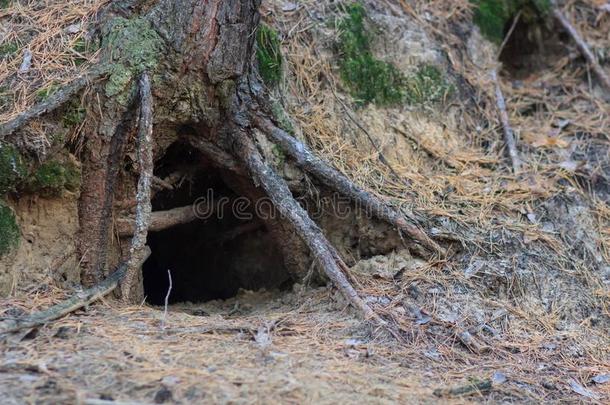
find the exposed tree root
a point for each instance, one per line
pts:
(79, 300)
(143, 209)
(332, 178)
(277, 190)
(159, 220)
(582, 46)
(54, 101)
(509, 136)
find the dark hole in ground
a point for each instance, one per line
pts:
(535, 44)
(212, 258)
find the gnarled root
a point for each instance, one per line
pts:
(277, 190)
(332, 178)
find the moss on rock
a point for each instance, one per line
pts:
(492, 16)
(51, 178)
(9, 230)
(368, 79)
(268, 55)
(12, 168)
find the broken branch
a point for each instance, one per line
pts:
(54, 101)
(582, 46)
(331, 177)
(159, 220)
(509, 136)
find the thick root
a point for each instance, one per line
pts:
(332, 178)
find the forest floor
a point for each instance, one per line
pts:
(303, 346)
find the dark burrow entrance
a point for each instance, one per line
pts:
(536, 43)
(209, 258)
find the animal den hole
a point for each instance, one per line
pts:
(210, 258)
(534, 44)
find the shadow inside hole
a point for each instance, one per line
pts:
(212, 258)
(535, 44)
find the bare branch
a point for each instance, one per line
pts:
(509, 136)
(159, 220)
(54, 101)
(582, 46)
(332, 178)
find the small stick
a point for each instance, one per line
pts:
(582, 46)
(509, 136)
(143, 209)
(169, 290)
(54, 101)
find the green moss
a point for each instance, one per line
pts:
(45, 93)
(12, 168)
(53, 177)
(492, 16)
(8, 49)
(4, 4)
(427, 86)
(268, 55)
(281, 117)
(133, 46)
(74, 115)
(9, 230)
(368, 79)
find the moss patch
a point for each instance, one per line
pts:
(53, 177)
(9, 230)
(368, 79)
(492, 16)
(427, 86)
(46, 92)
(12, 168)
(133, 46)
(269, 55)
(282, 117)
(8, 49)
(74, 115)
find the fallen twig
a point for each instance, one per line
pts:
(509, 136)
(54, 101)
(331, 177)
(143, 209)
(582, 46)
(169, 291)
(79, 300)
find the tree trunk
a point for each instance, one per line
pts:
(199, 53)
